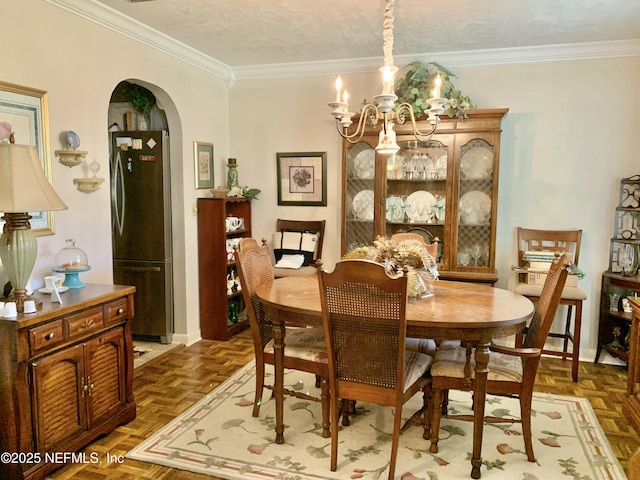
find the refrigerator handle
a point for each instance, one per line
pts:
(142, 269)
(118, 206)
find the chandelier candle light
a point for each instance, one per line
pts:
(383, 110)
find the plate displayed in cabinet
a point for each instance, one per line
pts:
(362, 205)
(364, 164)
(477, 163)
(475, 208)
(420, 206)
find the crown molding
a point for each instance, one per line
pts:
(498, 56)
(107, 17)
(112, 19)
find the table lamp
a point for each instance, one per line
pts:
(23, 188)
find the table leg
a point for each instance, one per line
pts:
(278, 387)
(479, 398)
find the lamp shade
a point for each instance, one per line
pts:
(23, 185)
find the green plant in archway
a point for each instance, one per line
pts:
(416, 81)
(141, 99)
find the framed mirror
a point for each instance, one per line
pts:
(26, 110)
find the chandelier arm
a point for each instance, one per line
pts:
(350, 138)
(359, 133)
(417, 133)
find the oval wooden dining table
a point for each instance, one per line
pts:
(456, 311)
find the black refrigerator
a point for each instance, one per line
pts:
(141, 228)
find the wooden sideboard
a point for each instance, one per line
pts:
(631, 406)
(66, 377)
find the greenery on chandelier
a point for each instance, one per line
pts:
(416, 81)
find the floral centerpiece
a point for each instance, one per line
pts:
(396, 256)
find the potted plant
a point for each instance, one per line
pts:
(142, 101)
(416, 81)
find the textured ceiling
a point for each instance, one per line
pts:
(263, 32)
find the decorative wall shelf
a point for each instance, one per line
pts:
(88, 185)
(70, 158)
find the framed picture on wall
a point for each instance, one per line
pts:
(25, 109)
(302, 178)
(203, 155)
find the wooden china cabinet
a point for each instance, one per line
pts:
(444, 187)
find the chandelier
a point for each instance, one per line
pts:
(383, 110)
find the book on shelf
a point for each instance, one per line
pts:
(540, 256)
(538, 266)
(543, 253)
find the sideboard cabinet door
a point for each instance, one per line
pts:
(105, 367)
(58, 397)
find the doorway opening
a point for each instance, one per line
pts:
(141, 216)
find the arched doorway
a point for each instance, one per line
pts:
(141, 226)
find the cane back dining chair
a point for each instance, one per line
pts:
(363, 312)
(421, 345)
(512, 370)
(305, 347)
(572, 296)
(303, 226)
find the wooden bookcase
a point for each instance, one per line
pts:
(214, 266)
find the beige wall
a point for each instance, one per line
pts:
(79, 64)
(568, 139)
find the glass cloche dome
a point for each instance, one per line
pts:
(71, 261)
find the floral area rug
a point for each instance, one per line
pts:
(219, 437)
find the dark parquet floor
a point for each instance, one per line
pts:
(169, 384)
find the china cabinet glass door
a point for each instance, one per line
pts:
(359, 210)
(475, 205)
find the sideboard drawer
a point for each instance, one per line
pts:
(45, 336)
(117, 310)
(84, 322)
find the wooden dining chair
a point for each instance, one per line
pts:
(363, 312)
(432, 248)
(512, 370)
(303, 226)
(305, 348)
(421, 345)
(572, 296)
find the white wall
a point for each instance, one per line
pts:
(568, 139)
